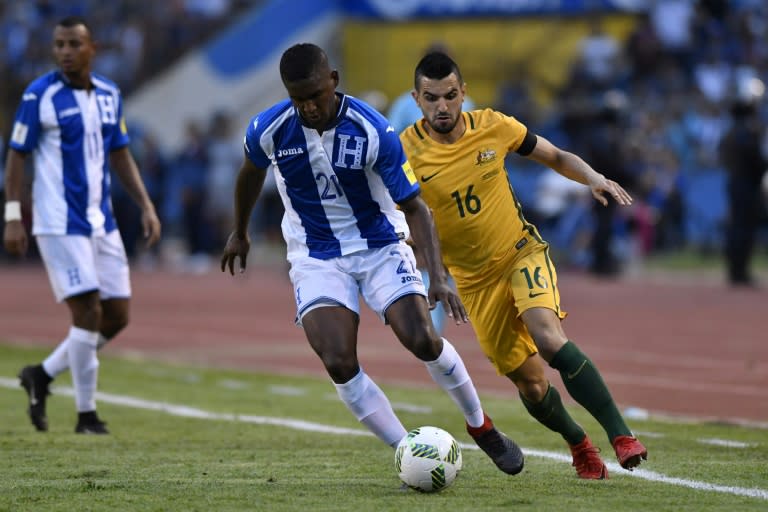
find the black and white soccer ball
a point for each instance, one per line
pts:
(428, 459)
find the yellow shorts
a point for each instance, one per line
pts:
(529, 281)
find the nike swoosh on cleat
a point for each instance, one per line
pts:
(450, 372)
(578, 371)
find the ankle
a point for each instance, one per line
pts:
(42, 374)
(482, 429)
(87, 417)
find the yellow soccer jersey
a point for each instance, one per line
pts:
(478, 218)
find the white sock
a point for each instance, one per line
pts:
(371, 407)
(85, 366)
(58, 360)
(449, 372)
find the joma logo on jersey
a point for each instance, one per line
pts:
(67, 112)
(485, 156)
(289, 152)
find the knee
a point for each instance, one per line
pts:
(533, 389)
(89, 316)
(425, 344)
(341, 368)
(548, 340)
(531, 381)
(112, 325)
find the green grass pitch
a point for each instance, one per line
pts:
(199, 439)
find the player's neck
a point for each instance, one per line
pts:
(80, 80)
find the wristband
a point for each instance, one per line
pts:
(12, 211)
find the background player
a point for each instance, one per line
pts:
(499, 261)
(340, 170)
(71, 119)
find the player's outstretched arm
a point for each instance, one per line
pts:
(250, 180)
(575, 168)
(424, 237)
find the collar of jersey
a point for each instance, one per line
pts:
(61, 76)
(343, 104)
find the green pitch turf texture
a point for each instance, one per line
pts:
(198, 439)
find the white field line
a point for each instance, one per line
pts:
(194, 412)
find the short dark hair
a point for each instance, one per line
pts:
(300, 61)
(435, 65)
(73, 21)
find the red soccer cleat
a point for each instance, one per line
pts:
(587, 461)
(629, 451)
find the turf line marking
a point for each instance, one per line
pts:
(725, 442)
(193, 412)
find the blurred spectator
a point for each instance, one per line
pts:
(189, 168)
(713, 74)
(515, 96)
(743, 155)
(673, 23)
(225, 153)
(154, 168)
(643, 49)
(605, 149)
(562, 212)
(599, 56)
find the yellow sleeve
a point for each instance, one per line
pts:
(512, 130)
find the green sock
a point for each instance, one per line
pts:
(551, 413)
(586, 386)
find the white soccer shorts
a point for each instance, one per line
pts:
(381, 276)
(78, 264)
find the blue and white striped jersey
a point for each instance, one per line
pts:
(339, 188)
(70, 131)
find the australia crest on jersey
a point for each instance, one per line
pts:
(485, 156)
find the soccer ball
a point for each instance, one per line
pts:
(428, 459)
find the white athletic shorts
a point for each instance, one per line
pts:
(78, 264)
(381, 276)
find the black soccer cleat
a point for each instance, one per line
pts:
(89, 423)
(504, 452)
(35, 382)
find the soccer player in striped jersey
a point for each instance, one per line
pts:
(341, 174)
(499, 261)
(71, 120)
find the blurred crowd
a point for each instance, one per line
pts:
(649, 112)
(135, 39)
